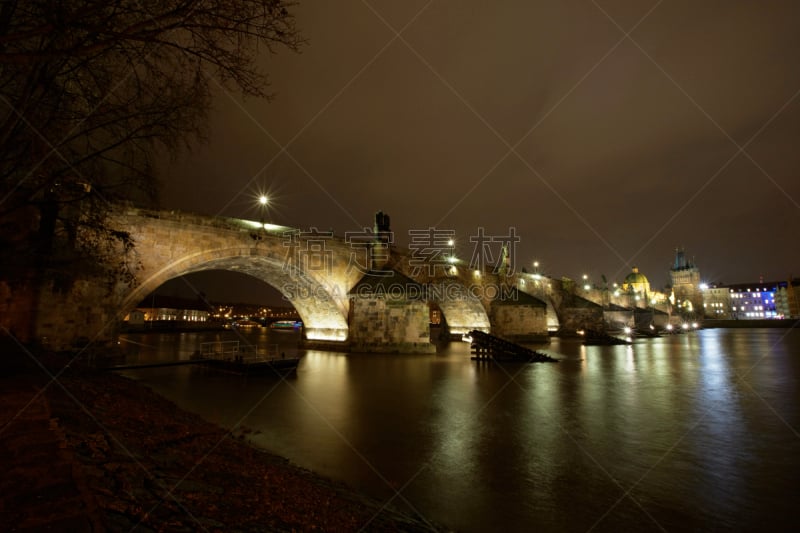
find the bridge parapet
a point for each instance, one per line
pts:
(315, 271)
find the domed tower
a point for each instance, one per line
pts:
(636, 282)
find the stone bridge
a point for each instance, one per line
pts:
(358, 292)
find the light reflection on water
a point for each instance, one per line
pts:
(694, 431)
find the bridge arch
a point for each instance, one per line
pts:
(313, 270)
(316, 303)
(460, 305)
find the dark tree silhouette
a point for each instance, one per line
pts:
(91, 89)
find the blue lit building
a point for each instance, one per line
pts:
(751, 301)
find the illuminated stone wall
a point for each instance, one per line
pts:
(389, 325)
(577, 318)
(520, 323)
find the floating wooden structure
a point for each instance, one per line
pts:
(245, 358)
(486, 347)
(600, 338)
(137, 366)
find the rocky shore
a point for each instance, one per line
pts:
(94, 451)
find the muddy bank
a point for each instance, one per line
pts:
(96, 451)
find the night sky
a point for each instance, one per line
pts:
(606, 133)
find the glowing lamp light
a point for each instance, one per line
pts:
(627, 330)
(326, 334)
(263, 200)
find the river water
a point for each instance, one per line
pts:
(697, 431)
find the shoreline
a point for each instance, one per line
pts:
(97, 451)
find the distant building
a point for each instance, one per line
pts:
(751, 301)
(717, 301)
(636, 283)
(685, 278)
(786, 299)
(159, 308)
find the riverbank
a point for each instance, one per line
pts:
(752, 323)
(95, 451)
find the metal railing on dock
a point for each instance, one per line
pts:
(238, 352)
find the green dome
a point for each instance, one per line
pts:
(635, 277)
(636, 281)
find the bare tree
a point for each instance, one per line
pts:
(90, 89)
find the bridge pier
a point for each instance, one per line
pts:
(389, 314)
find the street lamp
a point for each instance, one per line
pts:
(263, 201)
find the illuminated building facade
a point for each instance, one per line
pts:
(685, 278)
(787, 303)
(717, 301)
(750, 301)
(637, 283)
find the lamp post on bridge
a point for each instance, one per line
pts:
(263, 201)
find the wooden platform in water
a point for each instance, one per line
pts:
(486, 347)
(232, 356)
(255, 366)
(136, 366)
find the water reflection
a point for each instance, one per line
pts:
(698, 427)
